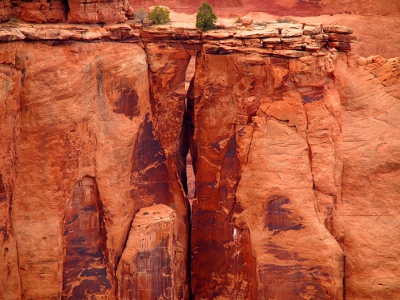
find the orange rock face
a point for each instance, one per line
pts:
(147, 266)
(256, 178)
(43, 11)
(294, 146)
(81, 217)
(113, 11)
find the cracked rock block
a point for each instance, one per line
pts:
(148, 265)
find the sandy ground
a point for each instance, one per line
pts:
(377, 35)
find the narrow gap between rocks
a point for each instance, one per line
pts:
(190, 174)
(189, 166)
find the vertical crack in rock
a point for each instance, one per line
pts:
(85, 267)
(149, 173)
(158, 173)
(222, 262)
(189, 129)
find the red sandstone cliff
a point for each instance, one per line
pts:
(295, 149)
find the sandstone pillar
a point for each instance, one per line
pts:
(149, 267)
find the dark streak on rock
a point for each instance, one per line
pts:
(3, 194)
(127, 104)
(149, 170)
(85, 235)
(316, 94)
(215, 236)
(278, 218)
(153, 277)
(290, 281)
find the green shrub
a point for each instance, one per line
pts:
(285, 20)
(141, 15)
(205, 18)
(159, 15)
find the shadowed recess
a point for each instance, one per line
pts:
(85, 268)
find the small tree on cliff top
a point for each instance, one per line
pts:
(205, 18)
(159, 15)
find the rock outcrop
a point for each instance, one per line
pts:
(113, 11)
(147, 269)
(294, 145)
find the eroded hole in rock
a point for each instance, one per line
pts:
(190, 174)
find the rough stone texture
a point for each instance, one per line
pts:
(294, 146)
(82, 112)
(6, 10)
(10, 89)
(110, 11)
(371, 181)
(147, 269)
(53, 11)
(255, 210)
(85, 270)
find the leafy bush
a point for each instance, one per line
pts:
(205, 18)
(141, 15)
(159, 15)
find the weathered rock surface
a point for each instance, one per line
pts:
(147, 269)
(6, 10)
(370, 186)
(110, 11)
(294, 146)
(100, 117)
(255, 180)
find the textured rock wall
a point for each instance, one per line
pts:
(53, 11)
(294, 144)
(266, 130)
(148, 269)
(56, 11)
(85, 111)
(369, 92)
(98, 12)
(10, 89)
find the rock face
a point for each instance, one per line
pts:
(257, 180)
(91, 182)
(43, 11)
(150, 256)
(94, 12)
(294, 145)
